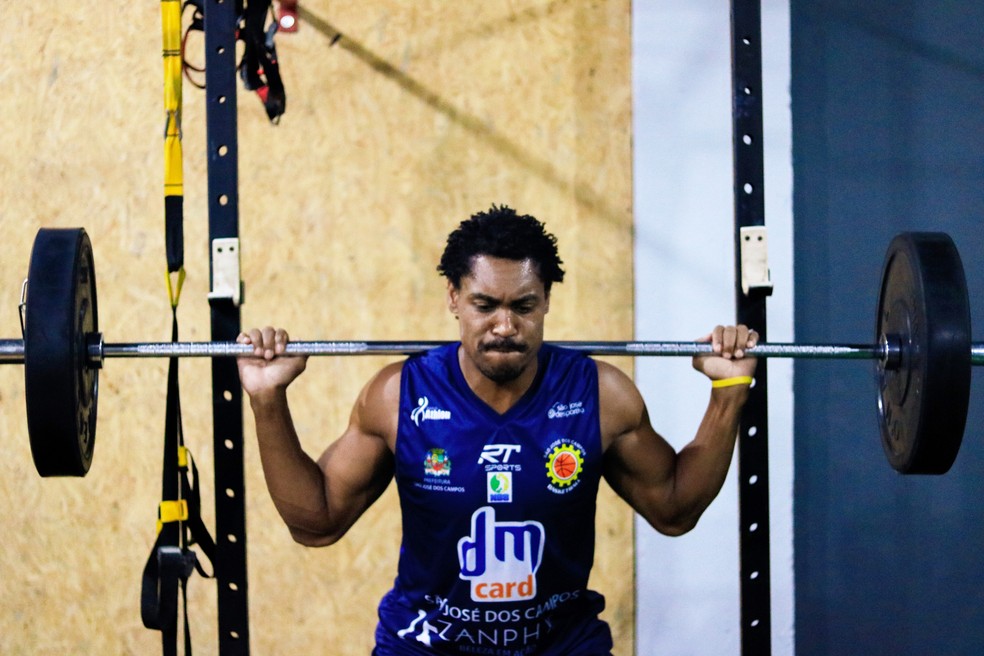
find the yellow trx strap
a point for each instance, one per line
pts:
(177, 510)
(174, 290)
(179, 522)
(171, 511)
(171, 30)
(173, 172)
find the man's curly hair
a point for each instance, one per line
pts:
(501, 232)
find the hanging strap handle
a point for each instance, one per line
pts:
(173, 171)
(179, 525)
(169, 563)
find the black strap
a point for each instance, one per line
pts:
(171, 561)
(196, 532)
(174, 232)
(259, 69)
(197, 24)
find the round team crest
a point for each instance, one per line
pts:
(564, 464)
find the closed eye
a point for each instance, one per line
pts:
(525, 304)
(483, 304)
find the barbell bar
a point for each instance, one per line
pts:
(923, 352)
(12, 350)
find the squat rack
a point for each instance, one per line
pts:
(220, 22)
(749, 218)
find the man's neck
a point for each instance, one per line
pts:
(500, 396)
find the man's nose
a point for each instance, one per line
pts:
(504, 323)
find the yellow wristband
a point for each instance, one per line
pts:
(729, 382)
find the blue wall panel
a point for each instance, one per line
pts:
(888, 135)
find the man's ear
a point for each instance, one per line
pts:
(453, 295)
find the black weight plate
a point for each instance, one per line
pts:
(922, 403)
(61, 387)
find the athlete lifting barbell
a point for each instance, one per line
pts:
(577, 420)
(922, 351)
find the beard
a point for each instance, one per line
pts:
(502, 372)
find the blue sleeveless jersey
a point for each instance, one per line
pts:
(498, 514)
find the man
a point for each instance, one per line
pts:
(497, 444)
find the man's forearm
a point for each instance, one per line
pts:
(702, 465)
(294, 479)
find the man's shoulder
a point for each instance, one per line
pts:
(438, 358)
(565, 361)
(621, 403)
(390, 371)
(617, 391)
(384, 387)
(610, 376)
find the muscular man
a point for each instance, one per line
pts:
(497, 444)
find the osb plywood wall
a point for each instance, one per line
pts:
(402, 119)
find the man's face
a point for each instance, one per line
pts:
(500, 308)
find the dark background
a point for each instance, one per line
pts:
(888, 135)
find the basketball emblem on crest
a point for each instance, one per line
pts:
(564, 464)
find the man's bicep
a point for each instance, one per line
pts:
(639, 463)
(365, 451)
(359, 465)
(357, 468)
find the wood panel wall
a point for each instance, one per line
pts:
(402, 119)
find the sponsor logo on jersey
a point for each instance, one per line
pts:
(495, 457)
(500, 559)
(561, 410)
(424, 412)
(422, 630)
(437, 463)
(499, 487)
(565, 460)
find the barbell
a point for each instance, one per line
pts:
(923, 352)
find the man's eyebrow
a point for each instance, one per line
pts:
(485, 298)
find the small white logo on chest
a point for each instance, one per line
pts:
(496, 453)
(423, 411)
(560, 410)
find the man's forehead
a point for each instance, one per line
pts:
(496, 276)
(490, 263)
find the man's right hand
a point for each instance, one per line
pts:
(267, 370)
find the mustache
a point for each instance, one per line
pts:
(504, 345)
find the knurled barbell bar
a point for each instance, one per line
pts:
(923, 352)
(12, 350)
